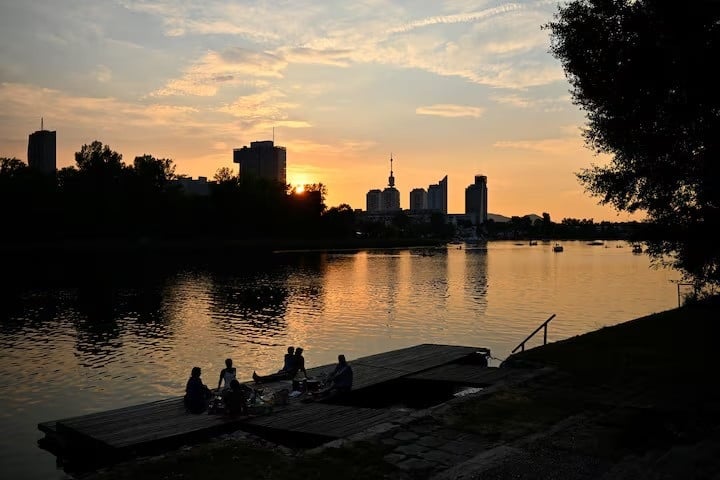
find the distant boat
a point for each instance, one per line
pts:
(533, 242)
(596, 242)
(557, 248)
(637, 248)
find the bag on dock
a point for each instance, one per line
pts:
(281, 397)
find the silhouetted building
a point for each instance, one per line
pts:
(42, 151)
(476, 200)
(418, 200)
(437, 196)
(373, 200)
(262, 160)
(199, 186)
(390, 200)
(387, 200)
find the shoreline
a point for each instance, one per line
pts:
(634, 400)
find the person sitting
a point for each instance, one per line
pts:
(342, 377)
(197, 394)
(295, 363)
(227, 375)
(337, 384)
(235, 398)
(289, 360)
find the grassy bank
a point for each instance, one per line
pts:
(637, 400)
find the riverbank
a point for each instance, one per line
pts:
(636, 400)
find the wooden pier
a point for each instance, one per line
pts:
(164, 424)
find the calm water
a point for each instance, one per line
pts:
(90, 342)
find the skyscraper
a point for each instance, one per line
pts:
(372, 200)
(42, 150)
(476, 200)
(437, 196)
(418, 200)
(262, 160)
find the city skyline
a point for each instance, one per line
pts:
(459, 90)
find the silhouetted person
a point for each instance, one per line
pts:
(289, 360)
(197, 394)
(337, 384)
(342, 377)
(299, 362)
(227, 374)
(236, 397)
(295, 364)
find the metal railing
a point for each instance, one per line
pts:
(544, 325)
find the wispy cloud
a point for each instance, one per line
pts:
(450, 111)
(233, 66)
(458, 18)
(555, 146)
(554, 104)
(103, 74)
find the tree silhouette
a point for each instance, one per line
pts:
(643, 71)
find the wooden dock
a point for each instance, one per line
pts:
(164, 424)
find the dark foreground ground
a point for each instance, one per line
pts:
(638, 400)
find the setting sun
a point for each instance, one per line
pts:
(299, 188)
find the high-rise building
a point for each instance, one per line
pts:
(476, 200)
(262, 160)
(418, 199)
(42, 150)
(373, 200)
(437, 196)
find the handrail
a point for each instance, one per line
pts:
(544, 324)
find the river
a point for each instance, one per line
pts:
(111, 338)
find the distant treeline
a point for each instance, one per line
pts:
(102, 203)
(569, 228)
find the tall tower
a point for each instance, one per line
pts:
(262, 160)
(390, 199)
(391, 178)
(476, 200)
(42, 150)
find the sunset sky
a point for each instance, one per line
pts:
(453, 88)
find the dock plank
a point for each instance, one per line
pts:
(466, 374)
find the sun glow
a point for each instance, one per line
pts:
(299, 188)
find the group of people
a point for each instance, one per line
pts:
(293, 364)
(235, 395)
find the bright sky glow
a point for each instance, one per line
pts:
(449, 88)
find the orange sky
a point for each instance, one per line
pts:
(452, 88)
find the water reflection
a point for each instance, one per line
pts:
(476, 277)
(100, 337)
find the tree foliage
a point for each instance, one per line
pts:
(643, 73)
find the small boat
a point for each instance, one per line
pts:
(557, 248)
(533, 242)
(596, 242)
(637, 248)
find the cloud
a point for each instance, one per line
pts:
(554, 146)
(457, 18)
(501, 46)
(263, 111)
(450, 111)
(233, 66)
(554, 104)
(338, 58)
(21, 101)
(103, 74)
